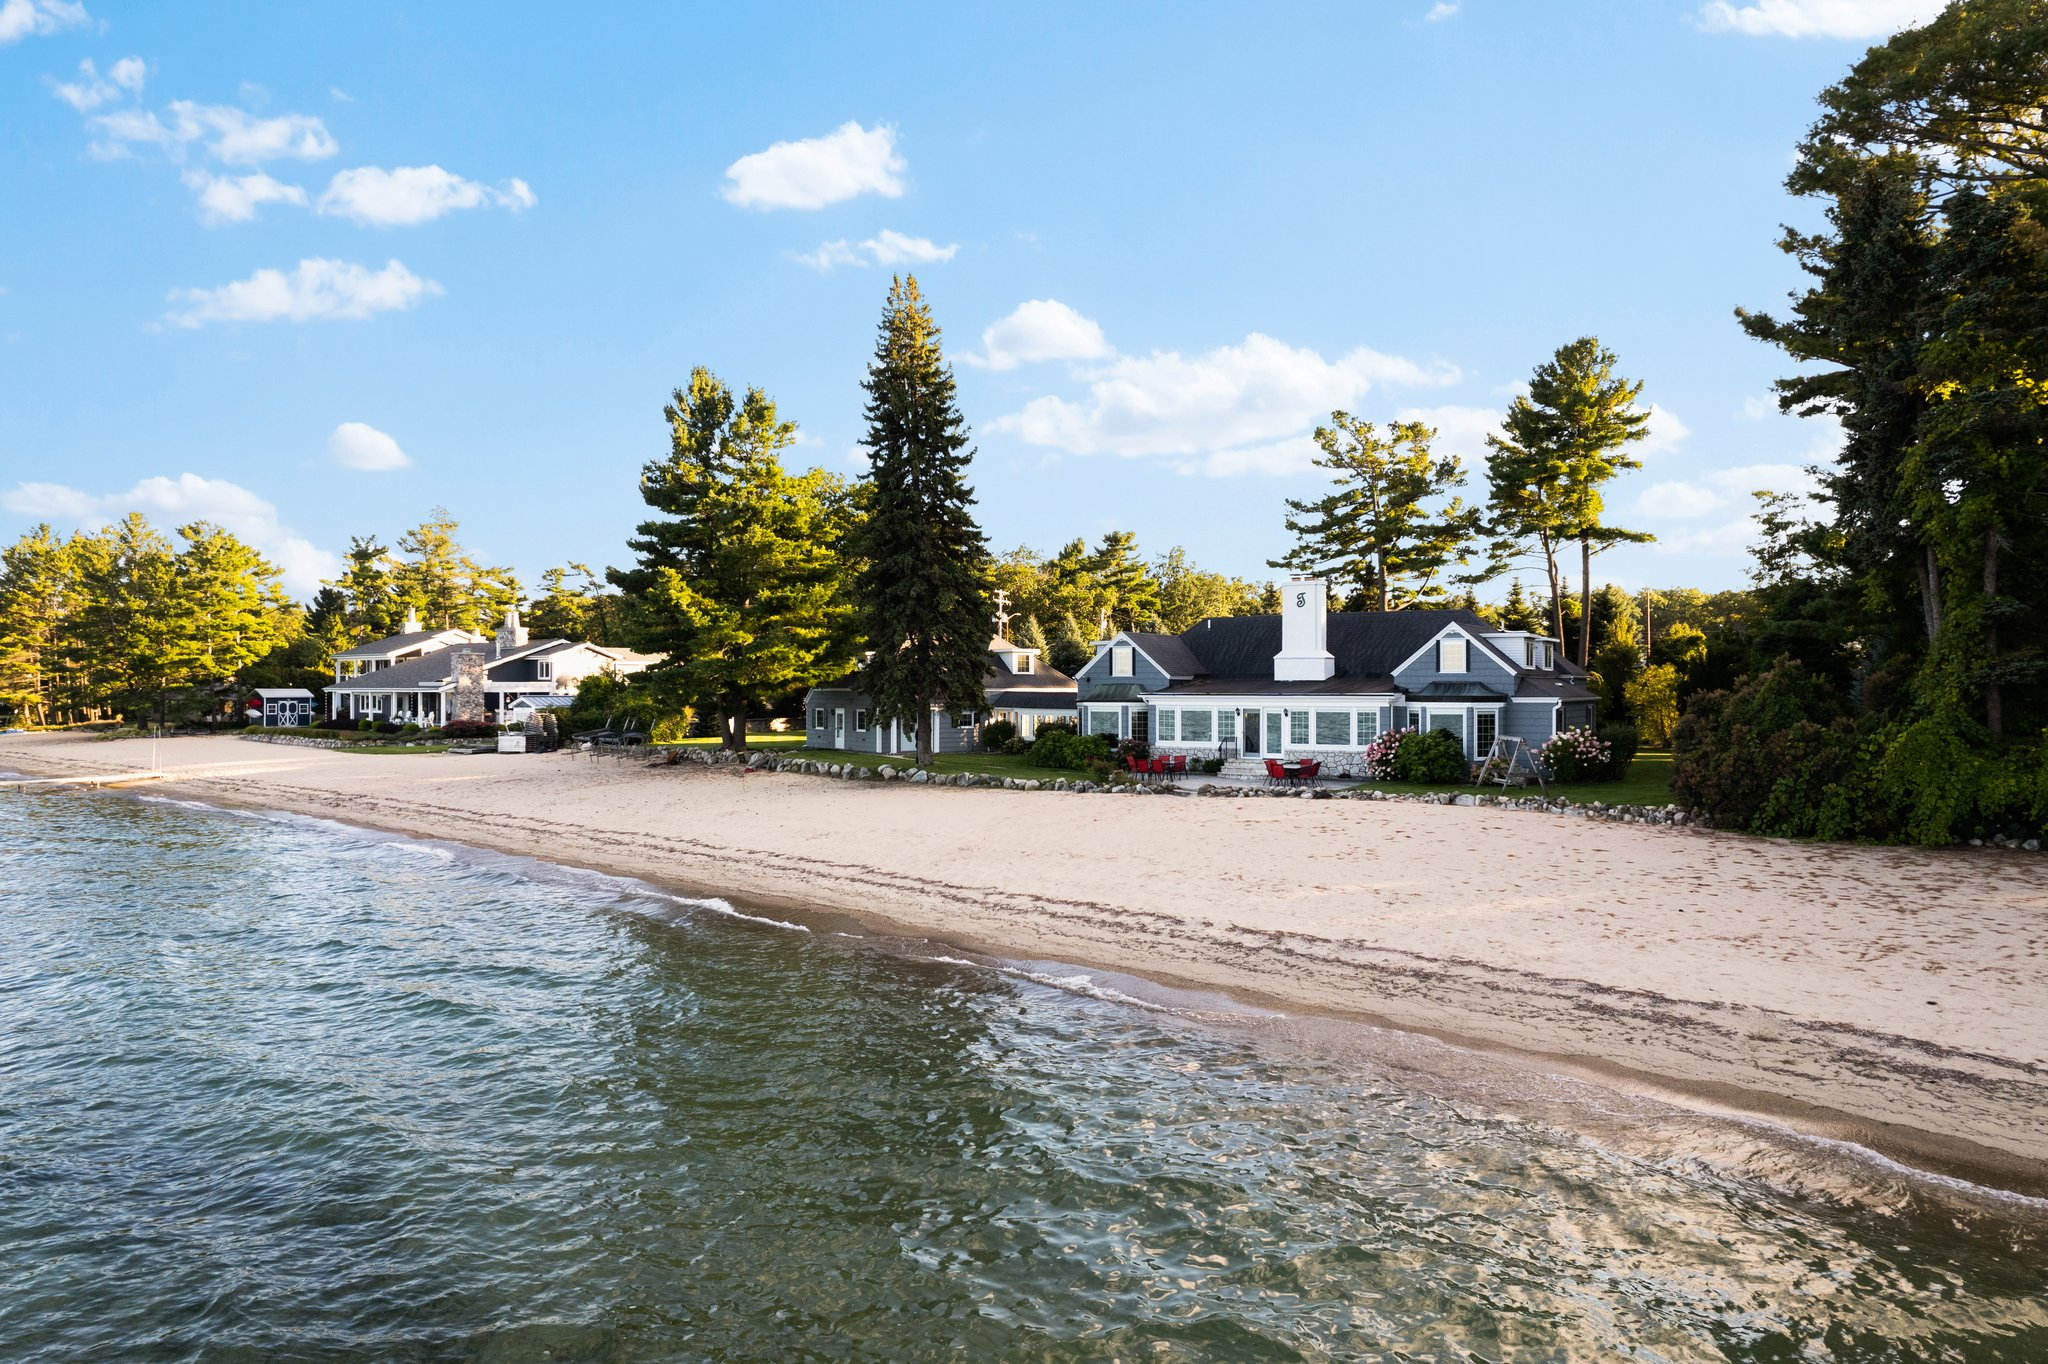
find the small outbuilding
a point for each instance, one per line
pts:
(280, 707)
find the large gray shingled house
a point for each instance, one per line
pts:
(1313, 683)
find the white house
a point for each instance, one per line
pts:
(431, 677)
(1020, 687)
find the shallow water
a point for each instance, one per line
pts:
(272, 1089)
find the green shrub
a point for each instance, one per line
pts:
(1064, 748)
(1015, 746)
(1575, 755)
(365, 725)
(1621, 751)
(409, 728)
(1208, 767)
(996, 734)
(1774, 756)
(1436, 756)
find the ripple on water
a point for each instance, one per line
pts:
(278, 1089)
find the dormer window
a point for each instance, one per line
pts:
(1023, 663)
(1450, 656)
(544, 670)
(1120, 660)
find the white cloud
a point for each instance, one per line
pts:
(1818, 18)
(177, 501)
(1758, 409)
(816, 171)
(1460, 430)
(884, 248)
(358, 445)
(91, 89)
(231, 135)
(1227, 410)
(1718, 489)
(893, 248)
(375, 197)
(1664, 434)
(235, 198)
(316, 289)
(1040, 329)
(21, 18)
(1440, 11)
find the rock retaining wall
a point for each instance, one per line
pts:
(1190, 788)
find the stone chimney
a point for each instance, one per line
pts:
(412, 621)
(470, 671)
(511, 635)
(1304, 632)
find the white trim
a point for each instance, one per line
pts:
(1514, 670)
(1137, 651)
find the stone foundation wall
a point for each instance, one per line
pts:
(468, 701)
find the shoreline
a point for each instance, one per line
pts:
(1425, 941)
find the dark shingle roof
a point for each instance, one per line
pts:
(392, 644)
(1169, 652)
(1266, 686)
(438, 667)
(1364, 643)
(1553, 688)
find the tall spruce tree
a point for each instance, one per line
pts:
(738, 581)
(923, 579)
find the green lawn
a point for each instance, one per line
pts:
(772, 742)
(391, 748)
(982, 764)
(1648, 783)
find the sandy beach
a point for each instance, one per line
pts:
(1892, 997)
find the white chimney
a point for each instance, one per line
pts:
(412, 621)
(1304, 632)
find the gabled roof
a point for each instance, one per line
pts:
(438, 667)
(1364, 643)
(398, 644)
(1170, 652)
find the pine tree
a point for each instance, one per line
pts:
(234, 609)
(1392, 530)
(36, 599)
(1029, 634)
(1518, 612)
(923, 579)
(1563, 442)
(1123, 585)
(374, 611)
(738, 582)
(1068, 652)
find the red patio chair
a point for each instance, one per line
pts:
(1311, 770)
(1177, 766)
(1275, 773)
(1159, 767)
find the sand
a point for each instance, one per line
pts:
(1894, 997)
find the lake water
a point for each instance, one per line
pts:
(273, 1089)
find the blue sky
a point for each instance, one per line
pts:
(313, 270)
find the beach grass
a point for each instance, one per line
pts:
(383, 749)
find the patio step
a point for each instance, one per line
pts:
(1244, 769)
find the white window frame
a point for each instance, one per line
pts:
(1024, 662)
(1168, 727)
(1365, 727)
(1480, 717)
(1464, 655)
(544, 669)
(860, 722)
(1122, 660)
(818, 718)
(1209, 737)
(1298, 724)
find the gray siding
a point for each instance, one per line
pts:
(1527, 721)
(947, 738)
(1143, 672)
(1480, 667)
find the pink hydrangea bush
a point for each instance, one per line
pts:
(1574, 755)
(1377, 761)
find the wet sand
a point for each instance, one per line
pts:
(1894, 997)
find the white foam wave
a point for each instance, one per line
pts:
(721, 907)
